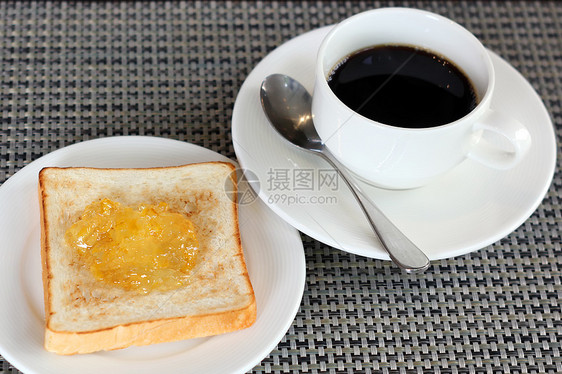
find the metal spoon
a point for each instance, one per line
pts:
(287, 105)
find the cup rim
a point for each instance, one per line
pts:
(478, 110)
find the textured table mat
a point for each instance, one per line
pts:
(76, 71)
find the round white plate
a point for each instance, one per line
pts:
(273, 250)
(468, 209)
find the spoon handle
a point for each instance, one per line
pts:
(401, 250)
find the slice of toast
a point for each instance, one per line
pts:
(85, 315)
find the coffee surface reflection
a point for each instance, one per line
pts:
(403, 86)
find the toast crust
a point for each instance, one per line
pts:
(241, 314)
(45, 270)
(149, 332)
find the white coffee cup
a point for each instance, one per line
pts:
(397, 157)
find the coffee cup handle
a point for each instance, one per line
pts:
(501, 143)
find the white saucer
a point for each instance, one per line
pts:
(468, 209)
(273, 251)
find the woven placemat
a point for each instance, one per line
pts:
(76, 71)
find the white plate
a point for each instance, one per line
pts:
(468, 209)
(273, 250)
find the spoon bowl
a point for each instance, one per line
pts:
(288, 106)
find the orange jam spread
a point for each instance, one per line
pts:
(143, 249)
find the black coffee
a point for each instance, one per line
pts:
(403, 86)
